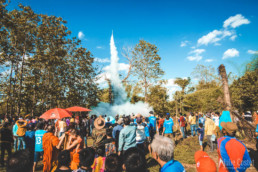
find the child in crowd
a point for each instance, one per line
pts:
(99, 162)
(64, 160)
(201, 134)
(86, 157)
(113, 163)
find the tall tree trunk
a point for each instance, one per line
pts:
(224, 78)
(21, 79)
(9, 90)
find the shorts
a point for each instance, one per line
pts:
(200, 142)
(37, 156)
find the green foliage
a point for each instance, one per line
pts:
(158, 99)
(46, 68)
(244, 92)
(146, 64)
(204, 100)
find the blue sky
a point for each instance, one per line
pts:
(210, 30)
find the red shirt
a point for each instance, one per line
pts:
(182, 121)
(161, 122)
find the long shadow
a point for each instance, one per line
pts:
(254, 156)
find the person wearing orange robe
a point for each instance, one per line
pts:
(75, 144)
(51, 144)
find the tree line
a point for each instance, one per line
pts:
(44, 67)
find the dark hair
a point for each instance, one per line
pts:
(30, 127)
(127, 120)
(100, 150)
(51, 128)
(134, 160)
(74, 132)
(109, 132)
(201, 125)
(64, 158)
(40, 126)
(86, 157)
(6, 124)
(217, 113)
(21, 160)
(113, 163)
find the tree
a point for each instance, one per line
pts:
(183, 83)
(244, 92)
(159, 99)
(204, 74)
(224, 79)
(146, 64)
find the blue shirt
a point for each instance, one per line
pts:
(15, 128)
(168, 125)
(38, 140)
(147, 130)
(201, 120)
(172, 165)
(152, 120)
(127, 138)
(116, 131)
(201, 132)
(256, 130)
(30, 139)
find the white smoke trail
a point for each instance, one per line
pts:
(121, 104)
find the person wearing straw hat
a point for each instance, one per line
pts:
(233, 154)
(99, 132)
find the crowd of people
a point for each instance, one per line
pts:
(118, 144)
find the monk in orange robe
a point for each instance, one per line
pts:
(51, 144)
(75, 144)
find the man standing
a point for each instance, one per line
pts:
(162, 150)
(127, 136)
(153, 124)
(22, 128)
(209, 130)
(15, 137)
(116, 131)
(168, 127)
(6, 142)
(233, 154)
(192, 121)
(38, 144)
(99, 132)
(50, 144)
(182, 123)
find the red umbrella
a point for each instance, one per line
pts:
(77, 109)
(56, 113)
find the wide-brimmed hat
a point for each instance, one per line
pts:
(99, 123)
(230, 127)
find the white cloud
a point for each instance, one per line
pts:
(171, 87)
(81, 35)
(252, 52)
(197, 51)
(99, 47)
(214, 37)
(196, 55)
(233, 37)
(235, 21)
(209, 60)
(100, 60)
(184, 43)
(230, 53)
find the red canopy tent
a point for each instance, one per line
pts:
(77, 109)
(56, 113)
